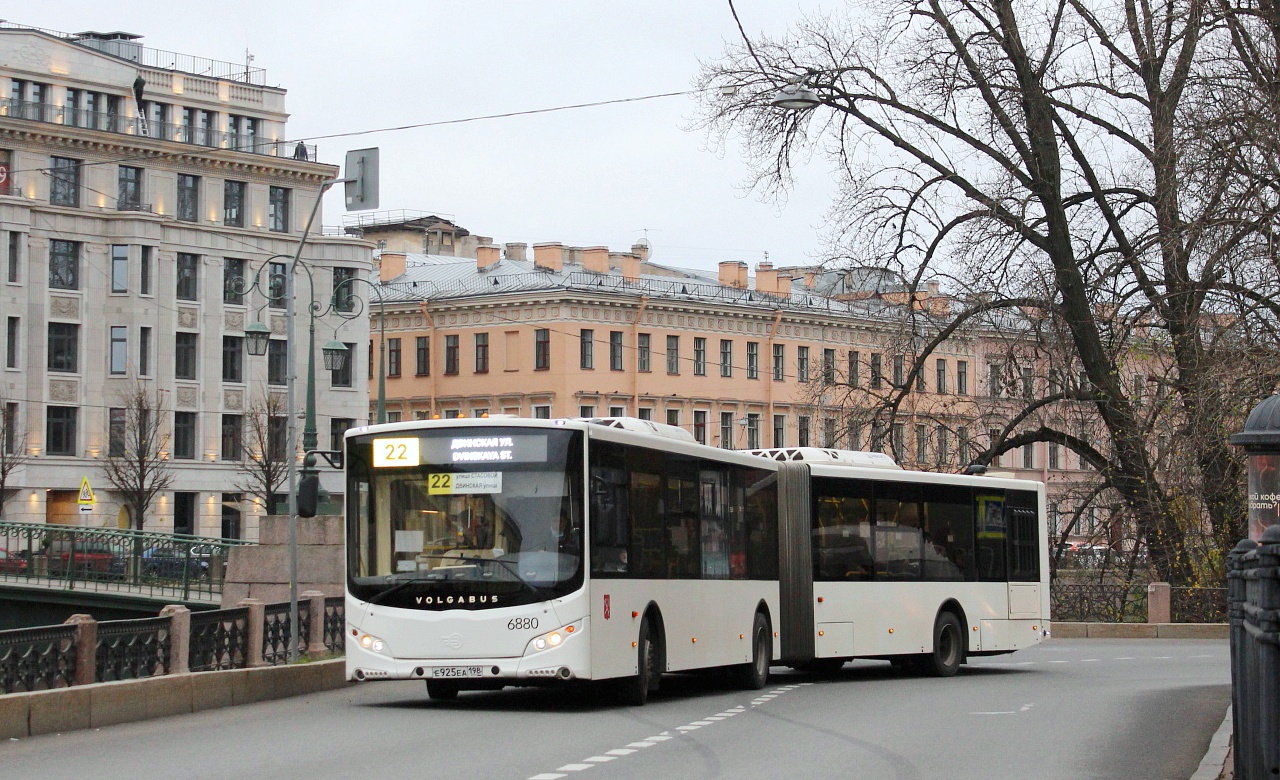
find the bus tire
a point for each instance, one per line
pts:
(635, 690)
(948, 646)
(754, 674)
(442, 690)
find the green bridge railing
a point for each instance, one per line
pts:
(135, 563)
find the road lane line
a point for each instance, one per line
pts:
(575, 767)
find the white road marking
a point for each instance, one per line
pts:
(644, 744)
(701, 723)
(1026, 707)
(619, 752)
(1123, 658)
(1001, 712)
(687, 728)
(547, 776)
(575, 767)
(600, 759)
(1088, 660)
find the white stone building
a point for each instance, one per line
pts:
(124, 223)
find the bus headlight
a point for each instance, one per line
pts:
(370, 642)
(553, 639)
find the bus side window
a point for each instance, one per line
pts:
(1024, 532)
(610, 511)
(992, 533)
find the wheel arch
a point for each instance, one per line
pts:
(954, 607)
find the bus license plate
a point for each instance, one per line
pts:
(456, 671)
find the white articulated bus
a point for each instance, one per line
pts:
(504, 551)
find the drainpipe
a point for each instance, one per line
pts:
(635, 339)
(431, 324)
(768, 391)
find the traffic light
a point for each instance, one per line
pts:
(308, 494)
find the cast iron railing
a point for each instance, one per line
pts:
(1198, 605)
(130, 649)
(1099, 602)
(276, 632)
(334, 624)
(36, 659)
(219, 639)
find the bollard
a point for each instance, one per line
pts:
(1266, 606)
(1159, 603)
(254, 625)
(86, 649)
(179, 638)
(315, 636)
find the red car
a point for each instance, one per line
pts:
(12, 564)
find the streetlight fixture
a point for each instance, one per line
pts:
(256, 337)
(795, 96)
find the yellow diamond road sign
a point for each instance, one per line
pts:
(86, 492)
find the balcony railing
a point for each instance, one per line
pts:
(161, 131)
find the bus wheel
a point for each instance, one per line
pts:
(442, 690)
(635, 690)
(948, 646)
(754, 674)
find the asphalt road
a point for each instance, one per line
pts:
(1071, 709)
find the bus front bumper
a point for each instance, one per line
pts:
(568, 661)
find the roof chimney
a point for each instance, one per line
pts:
(810, 279)
(516, 251)
(549, 256)
(631, 267)
(766, 278)
(783, 284)
(641, 249)
(596, 259)
(733, 273)
(390, 265)
(487, 256)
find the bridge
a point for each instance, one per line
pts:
(110, 568)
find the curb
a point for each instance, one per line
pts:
(1139, 630)
(1214, 764)
(127, 701)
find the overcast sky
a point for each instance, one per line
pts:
(596, 176)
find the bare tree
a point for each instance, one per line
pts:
(1049, 162)
(13, 451)
(135, 466)
(267, 450)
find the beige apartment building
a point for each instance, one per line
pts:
(143, 194)
(745, 358)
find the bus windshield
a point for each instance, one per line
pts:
(464, 518)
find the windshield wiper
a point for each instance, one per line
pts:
(399, 586)
(506, 565)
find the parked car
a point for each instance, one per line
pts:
(168, 562)
(12, 563)
(92, 560)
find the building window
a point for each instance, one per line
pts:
(899, 440)
(541, 349)
(642, 352)
(877, 371)
(277, 362)
(119, 351)
(233, 204)
(854, 377)
(232, 359)
(422, 352)
(673, 354)
(943, 446)
(64, 265)
(64, 347)
(993, 436)
(11, 341)
(922, 445)
(586, 411)
(615, 350)
(994, 371)
(144, 351)
(753, 431)
(242, 132)
(64, 181)
(542, 412)
(940, 376)
(232, 436)
(60, 430)
(1029, 384)
(188, 277)
(779, 430)
(278, 209)
(899, 372)
(393, 357)
(119, 268)
(617, 411)
(188, 198)
(779, 362)
(144, 270)
(962, 444)
(673, 417)
(184, 512)
(337, 427)
(853, 434)
(129, 190)
(829, 432)
(341, 377)
(277, 284)
(802, 430)
(726, 357)
(586, 349)
(699, 356)
(645, 413)
(802, 364)
(1028, 456)
(450, 355)
(726, 430)
(344, 293)
(753, 360)
(233, 280)
(185, 353)
(184, 434)
(482, 353)
(15, 257)
(1055, 456)
(11, 427)
(116, 431)
(700, 426)
(962, 377)
(829, 366)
